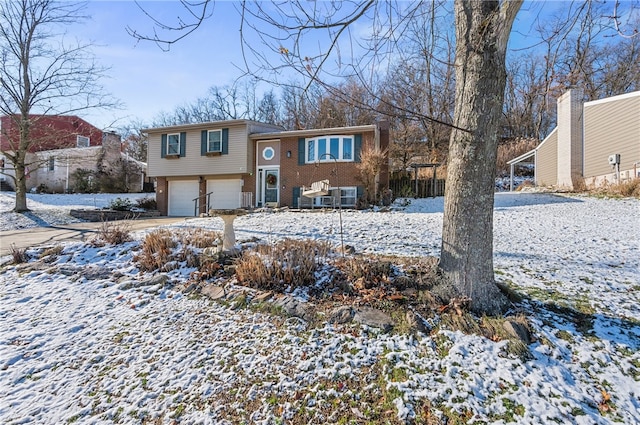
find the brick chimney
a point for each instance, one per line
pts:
(570, 141)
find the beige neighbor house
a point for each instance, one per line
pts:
(59, 166)
(244, 164)
(597, 142)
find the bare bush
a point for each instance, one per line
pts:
(200, 238)
(156, 250)
(626, 189)
(114, 233)
(286, 263)
(364, 272)
(370, 165)
(19, 255)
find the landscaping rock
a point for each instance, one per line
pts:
(342, 314)
(214, 292)
(517, 330)
(416, 322)
(160, 279)
(373, 317)
(265, 296)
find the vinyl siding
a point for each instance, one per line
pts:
(611, 127)
(547, 160)
(195, 164)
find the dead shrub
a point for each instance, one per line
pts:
(626, 189)
(113, 232)
(19, 255)
(579, 184)
(50, 254)
(286, 263)
(156, 250)
(365, 272)
(370, 165)
(200, 238)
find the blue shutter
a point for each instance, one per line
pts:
(301, 153)
(203, 142)
(163, 146)
(357, 147)
(359, 192)
(296, 197)
(225, 141)
(183, 143)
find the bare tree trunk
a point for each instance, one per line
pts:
(482, 32)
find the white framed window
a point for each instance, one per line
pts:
(82, 141)
(348, 197)
(51, 165)
(173, 144)
(214, 141)
(329, 148)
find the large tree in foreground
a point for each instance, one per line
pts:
(41, 74)
(466, 256)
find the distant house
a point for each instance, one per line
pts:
(60, 146)
(597, 142)
(243, 163)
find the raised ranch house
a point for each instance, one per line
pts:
(597, 142)
(244, 164)
(61, 145)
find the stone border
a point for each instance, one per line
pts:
(111, 215)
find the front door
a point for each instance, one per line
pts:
(269, 184)
(268, 180)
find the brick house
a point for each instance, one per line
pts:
(243, 163)
(62, 144)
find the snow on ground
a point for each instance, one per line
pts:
(53, 209)
(76, 346)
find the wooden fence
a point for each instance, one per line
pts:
(406, 187)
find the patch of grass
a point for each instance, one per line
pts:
(52, 253)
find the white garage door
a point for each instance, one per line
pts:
(181, 196)
(226, 193)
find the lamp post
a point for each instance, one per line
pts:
(335, 161)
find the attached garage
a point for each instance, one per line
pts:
(225, 194)
(181, 196)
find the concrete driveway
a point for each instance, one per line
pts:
(39, 236)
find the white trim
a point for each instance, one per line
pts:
(209, 150)
(169, 144)
(613, 98)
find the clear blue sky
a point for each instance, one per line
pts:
(145, 78)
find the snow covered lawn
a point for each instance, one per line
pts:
(77, 347)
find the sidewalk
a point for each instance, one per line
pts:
(38, 236)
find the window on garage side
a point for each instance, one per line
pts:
(173, 144)
(214, 141)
